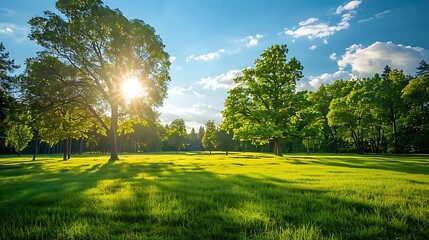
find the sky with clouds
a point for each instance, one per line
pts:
(211, 41)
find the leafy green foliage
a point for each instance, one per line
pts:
(176, 134)
(261, 106)
(209, 139)
(105, 48)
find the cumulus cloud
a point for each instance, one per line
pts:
(180, 91)
(12, 30)
(359, 62)
(206, 57)
(365, 62)
(222, 81)
(252, 41)
(325, 41)
(328, 78)
(313, 28)
(313, 47)
(194, 115)
(348, 6)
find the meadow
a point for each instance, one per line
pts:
(202, 196)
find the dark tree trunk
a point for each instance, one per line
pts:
(81, 146)
(114, 134)
(278, 147)
(66, 148)
(36, 149)
(70, 141)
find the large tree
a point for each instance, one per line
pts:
(107, 49)
(262, 105)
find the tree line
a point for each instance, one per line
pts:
(69, 99)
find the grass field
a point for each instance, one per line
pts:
(200, 196)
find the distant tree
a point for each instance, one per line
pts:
(423, 69)
(224, 141)
(201, 133)
(209, 139)
(176, 134)
(192, 141)
(386, 72)
(18, 134)
(105, 48)
(261, 107)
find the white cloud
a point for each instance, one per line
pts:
(328, 78)
(313, 47)
(325, 41)
(308, 21)
(206, 57)
(172, 59)
(365, 62)
(333, 56)
(222, 81)
(313, 28)
(9, 29)
(378, 15)
(348, 6)
(194, 115)
(180, 91)
(253, 41)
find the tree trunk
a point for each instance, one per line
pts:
(69, 148)
(114, 133)
(36, 149)
(66, 148)
(226, 152)
(81, 146)
(395, 138)
(278, 147)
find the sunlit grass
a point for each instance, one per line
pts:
(202, 196)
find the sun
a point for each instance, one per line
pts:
(131, 88)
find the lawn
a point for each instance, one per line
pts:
(201, 196)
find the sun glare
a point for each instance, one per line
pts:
(131, 88)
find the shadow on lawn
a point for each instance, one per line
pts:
(415, 164)
(161, 200)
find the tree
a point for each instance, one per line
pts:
(177, 134)
(392, 107)
(261, 107)
(386, 72)
(105, 48)
(192, 141)
(7, 101)
(416, 97)
(423, 69)
(209, 139)
(18, 134)
(7, 66)
(224, 141)
(50, 99)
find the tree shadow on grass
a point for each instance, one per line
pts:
(163, 200)
(406, 164)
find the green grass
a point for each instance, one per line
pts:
(200, 196)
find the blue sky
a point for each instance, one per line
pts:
(211, 41)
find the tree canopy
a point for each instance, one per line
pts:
(106, 49)
(262, 105)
